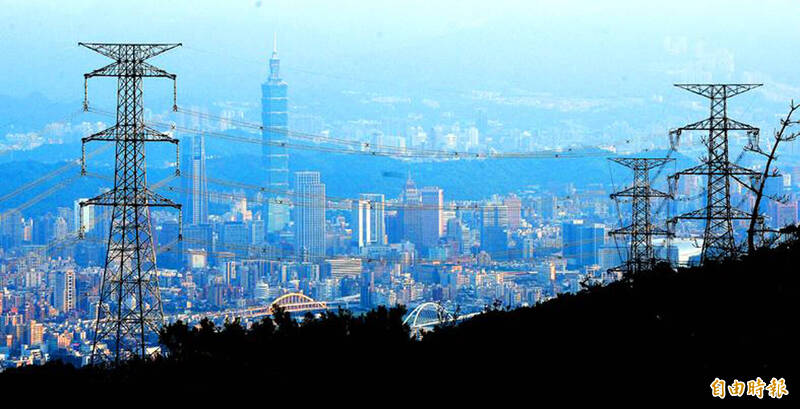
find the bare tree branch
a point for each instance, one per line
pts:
(780, 136)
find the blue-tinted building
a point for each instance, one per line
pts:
(275, 118)
(309, 212)
(494, 230)
(581, 242)
(194, 198)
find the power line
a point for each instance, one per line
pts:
(49, 175)
(362, 148)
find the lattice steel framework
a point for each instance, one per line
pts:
(718, 238)
(641, 230)
(129, 312)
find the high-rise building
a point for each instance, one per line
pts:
(64, 294)
(309, 219)
(549, 207)
(514, 206)
(35, 333)
(88, 216)
(457, 234)
(494, 230)
(60, 228)
(369, 220)
(432, 222)
(367, 288)
(482, 121)
(782, 214)
(235, 238)
(11, 229)
(343, 267)
(378, 217)
(169, 255)
(360, 223)
(195, 183)
(275, 118)
(411, 208)
(197, 240)
(581, 242)
(257, 232)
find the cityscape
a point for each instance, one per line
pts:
(267, 202)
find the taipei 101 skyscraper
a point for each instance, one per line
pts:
(275, 119)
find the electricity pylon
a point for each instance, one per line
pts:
(718, 238)
(641, 256)
(129, 312)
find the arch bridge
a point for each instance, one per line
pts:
(428, 315)
(291, 302)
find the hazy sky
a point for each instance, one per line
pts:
(573, 48)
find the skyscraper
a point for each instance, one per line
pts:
(195, 183)
(360, 223)
(369, 220)
(235, 237)
(275, 118)
(514, 205)
(432, 222)
(581, 242)
(367, 289)
(412, 206)
(87, 218)
(494, 230)
(64, 293)
(309, 219)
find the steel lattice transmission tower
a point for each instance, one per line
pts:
(718, 238)
(129, 312)
(641, 230)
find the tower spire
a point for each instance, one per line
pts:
(274, 61)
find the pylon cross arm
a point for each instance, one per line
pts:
(712, 90)
(641, 163)
(110, 70)
(151, 71)
(151, 135)
(701, 214)
(640, 191)
(156, 200)
(108, 134)
(116, 69)
(113, 134)
(729, 168)
(738, 170)
(631, 230)
(113, 51)
(708, 124)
